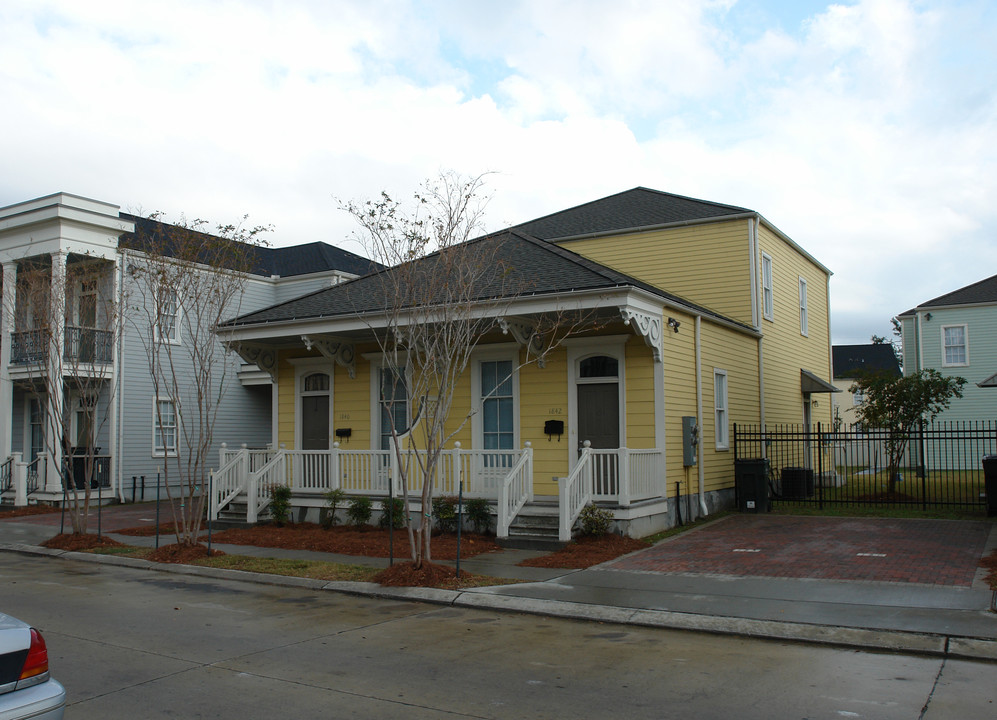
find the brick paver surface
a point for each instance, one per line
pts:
(935, 552)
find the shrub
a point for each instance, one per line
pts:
(397, 507)
(333, 499)
(280, 504)
(479, 515)
(359, 511)
(445, 512)
(595, 520)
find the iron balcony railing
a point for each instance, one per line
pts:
(83, 345)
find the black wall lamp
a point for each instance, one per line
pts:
(673, 324)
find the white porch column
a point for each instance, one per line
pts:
(6, 329)
(56, 399)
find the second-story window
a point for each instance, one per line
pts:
(803, 306)
(955, 345)
(768, 299)
(168, 316)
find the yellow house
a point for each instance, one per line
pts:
(703, 315)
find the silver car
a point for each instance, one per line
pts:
(26, 689)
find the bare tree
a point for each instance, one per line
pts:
(443, 292)
(68, 324)
(186, 282)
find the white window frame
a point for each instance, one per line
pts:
(173, 339)
(163, 451)
(377, 363)
(579, 349)
(965, 345)
(304, 367)
(721, 412)
(768, 292)
(510, 353)
(804, 329)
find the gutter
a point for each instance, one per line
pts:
(699, 414)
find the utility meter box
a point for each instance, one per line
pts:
(690, 441)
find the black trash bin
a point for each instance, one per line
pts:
(990, 483)
(797, 483)
(751, 478)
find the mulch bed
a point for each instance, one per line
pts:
(25, 511)
(69, 541)
(181, 554)
(429, 575)
(345, 540)
(586, 551)
(990, 563)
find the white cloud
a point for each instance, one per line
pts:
(866, 132)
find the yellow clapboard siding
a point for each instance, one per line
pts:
(708, 263)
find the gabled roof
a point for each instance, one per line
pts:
(520, 265)
(983, 291)
(851, 361)
(311, 257)
(629, 210)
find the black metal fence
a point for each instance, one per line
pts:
(939, 465)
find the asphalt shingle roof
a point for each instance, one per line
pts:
(983, 291)
(850, 361)
(637, 208)
(518, 265)
(303, 259)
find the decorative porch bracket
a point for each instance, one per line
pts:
(263, 356)
(524, 334)
(342, 353)
(647, 326)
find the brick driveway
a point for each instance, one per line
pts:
(933, 552)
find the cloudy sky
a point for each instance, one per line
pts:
(867, 130)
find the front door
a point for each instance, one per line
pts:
(315, 422)
(599, 423)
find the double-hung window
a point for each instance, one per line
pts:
(165, 424)
(955, 345)
(393, 403)
(168, 316)
(768, 299)
(498, 431)
(720, 408)
(803, 306)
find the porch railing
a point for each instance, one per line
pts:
(515, 490)
(624, 475)
(7, 475)
(575, 492)
(85, 345)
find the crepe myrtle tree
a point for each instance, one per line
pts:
(442, 292)
(898, 405)
(186, 281)
(68, 324)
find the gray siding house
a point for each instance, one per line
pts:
(87, 251)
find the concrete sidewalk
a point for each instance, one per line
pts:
(951, 619)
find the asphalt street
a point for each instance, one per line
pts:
(137, 643)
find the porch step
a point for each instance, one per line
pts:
(534, 528)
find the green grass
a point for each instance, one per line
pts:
(293, 568)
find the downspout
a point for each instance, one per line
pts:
(120, 377)
(699, 413)
(761, 393)
(919, 344)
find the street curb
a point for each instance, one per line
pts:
(882, 640)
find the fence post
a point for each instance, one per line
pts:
(19, 473)
(222, 450)
(334, 467)
(623, 467)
